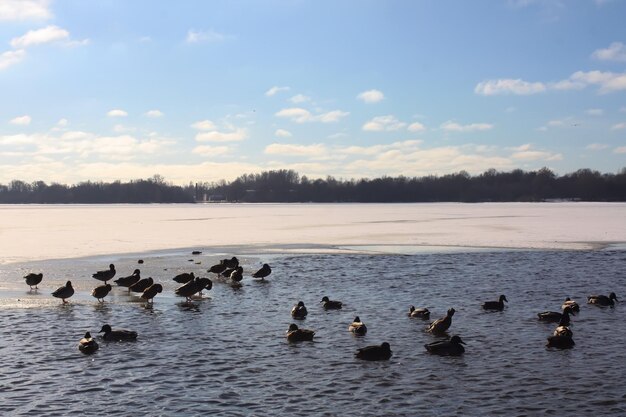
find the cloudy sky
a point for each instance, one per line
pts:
(209, 90)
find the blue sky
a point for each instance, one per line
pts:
(209, 90)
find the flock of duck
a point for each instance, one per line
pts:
(561, 338)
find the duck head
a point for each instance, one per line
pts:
(324, 299)
(503, 298)
(105, 329)
(292, 327)
(612, 296)
(357, 319)
(456, 339)
(451, 312)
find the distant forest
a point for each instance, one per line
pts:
(289, 186)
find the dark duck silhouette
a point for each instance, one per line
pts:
(374, 353)
(556, 317)
(64, 292)
(193, 287)
(452, 347)
(495, 305)
(603, 300)
(294, 334)
(105, 275)
(560, 342)
(263, 272)
(442, 324)
(117, 335)
(101, 291)
(422, 313)
(129, 280)
(184, 278)
(331, 304)
(218, 268)
(299, 311)
(33, 279)
(88, 344)
(358, 327)
(151, 292)
(141, 285)
(231, 263)
(237, 274)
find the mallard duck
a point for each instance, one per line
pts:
(117, 335)
(495, 305)
(217, 269)
(357, 327)
(560, 342)
(101, 291)
(88, 344)
(105, 275)
(263, 272)
(141, 285)
(563, 331)
(33, 279)
(422, 313)
(64, 292)
(231, 263)
(150, 292)
(442, 324)
(603, 300)
(374, 353)
(294, 334)
(129, 280)
(556, 317)
(452, 347)
(237, 274)
(184, 278)
(573, 305)
(299, 311)
(330, 304)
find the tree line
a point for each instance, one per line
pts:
(289, 186)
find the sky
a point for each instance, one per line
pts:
(194, 91)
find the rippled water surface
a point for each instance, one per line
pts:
(226, 354)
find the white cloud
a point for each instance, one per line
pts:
(596, 146)
(615, 52)
(296, 150)
(299, 98)
(556, 123)
(621, 149)
(536, 156)
(153, 114)
(509, 86)
(123, 129)
(209, 151)
(9, 58)
(194, 36)
(300, 115)
(274, 90)
(607, 81)
(451, 126)
(383, 123)
(595, 112)
(40, 36)
(619, 126)
(416, 127)
(63, 122)
(204, 125)
(238, 134)
(282, 133)
(117, 113)
(21, 120)
(24, 9)
(371, 96)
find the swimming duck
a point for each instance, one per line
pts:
(422, 313)
(357, 327)
(231, 263)
(294, 334)
(330, 304)
(563, 331)
(217, 269)
(442, 324)
(101, 291)
(374, 353)
(452, 347)
(117, 335)
(560, 342)
(141, 285)
(64, 292)
(299, 311)
(88, 344)
(237, 274)
(33, 279)
(571, 304)
(263, 272)
(184, 278)
(150, 292)
(105, 275)
(555, 317)
(129, 280)
(603, 300)
(495, 305)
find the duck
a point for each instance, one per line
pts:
(101, 291)
(141, 285)
(563, 331)
(105, 275)
(192, 287)
(294, 334)
(226, 272)
(375, 352)
(452, 347)
(129, 280)
(184, 278)
(603, 300)
(88, 344)
(204, 284)
(33, 279)
(237, 274)
(330, 304)
(560, 342)
(495, 305)
(217, 268)
(422, 313)
(64, 292)
(150, 292)
(299, 311)
(442, 324)
(117, 335)
(571, 304)
(555, 317)
(263, 272)
(358, 327)
(231, 263)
